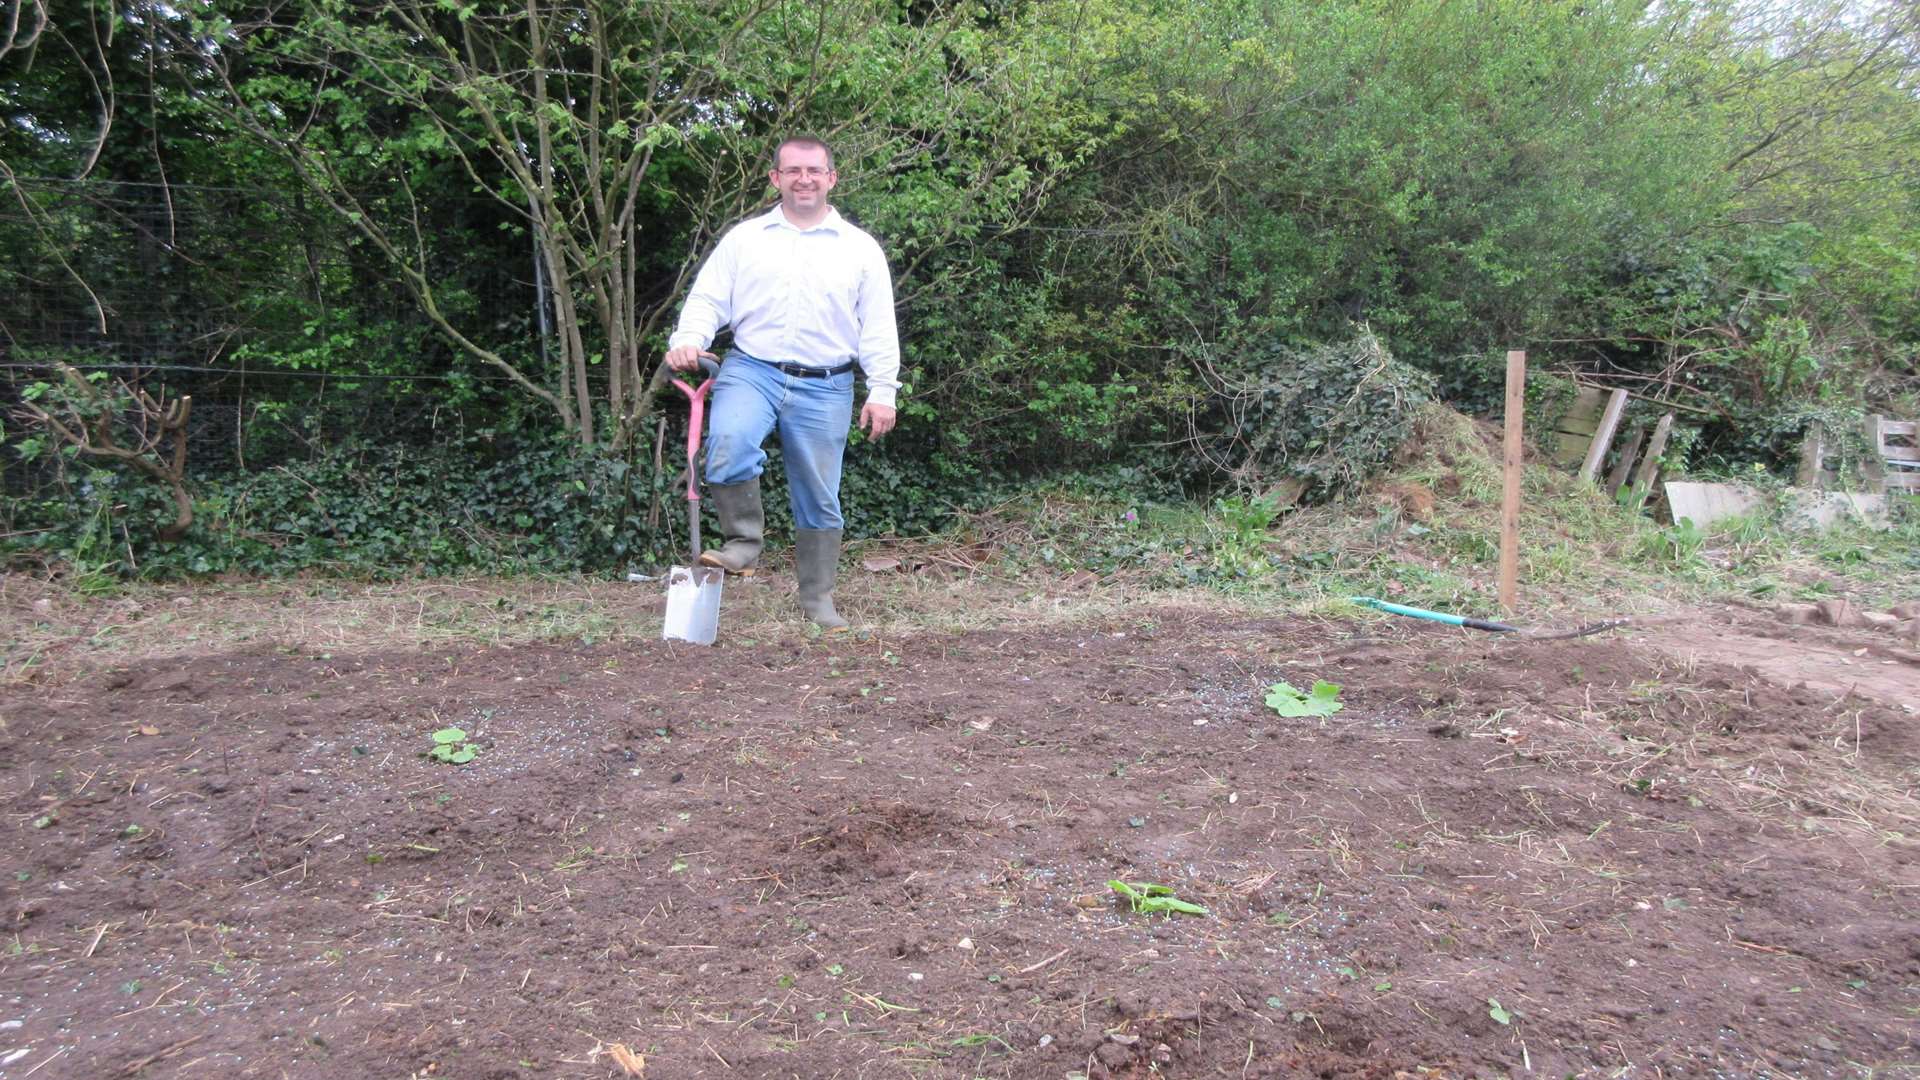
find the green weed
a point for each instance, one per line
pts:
(1147, 898)
(1287, 700)
(450, 745)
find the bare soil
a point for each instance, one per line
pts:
(889, 856)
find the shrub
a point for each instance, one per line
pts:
(1314, 424)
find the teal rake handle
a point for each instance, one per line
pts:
(1436, 616)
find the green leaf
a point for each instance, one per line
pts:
(1287, 699)
(1500, 1015)
(463, 755)
(449, 735)
(1150, 899)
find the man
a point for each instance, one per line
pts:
(808, 296)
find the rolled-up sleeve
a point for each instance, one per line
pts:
(879, 333)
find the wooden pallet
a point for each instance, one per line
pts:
(1892, 464)
(1896, 443)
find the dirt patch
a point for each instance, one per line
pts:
(890, 857)
(1862, 662)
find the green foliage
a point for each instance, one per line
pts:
(374, 511)
(450, 747)
(1677, 546)
(1316, 423)
(483, 502)
(1239, 527)
(1150, 899)
(1287, 700)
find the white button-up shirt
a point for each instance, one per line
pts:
(819, 297)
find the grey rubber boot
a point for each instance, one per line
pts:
(816, 560)
(742, 522)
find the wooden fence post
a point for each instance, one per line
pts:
(1510, 502)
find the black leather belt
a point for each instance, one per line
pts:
(802, 371)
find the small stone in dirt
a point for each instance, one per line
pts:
(42, 606)
(966, 943)
(915, 976)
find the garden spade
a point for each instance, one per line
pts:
(693, 592)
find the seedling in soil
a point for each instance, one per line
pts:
(1150, 899)
(450, 745)
(1285, 919)
(1500, 1015)
(1288, 700)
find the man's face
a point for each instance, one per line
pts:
(804, 177)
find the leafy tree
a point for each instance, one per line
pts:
(623, 137)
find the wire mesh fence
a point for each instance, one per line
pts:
(249, 301)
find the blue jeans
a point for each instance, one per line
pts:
(751, 400)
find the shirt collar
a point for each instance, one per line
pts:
(777, 219)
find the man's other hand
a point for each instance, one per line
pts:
(875, 420)
(687, 357)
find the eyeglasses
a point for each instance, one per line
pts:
(812, 172)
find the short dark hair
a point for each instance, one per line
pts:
(809, 141)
